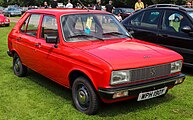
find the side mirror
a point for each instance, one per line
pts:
(51, 39)
(186, 29)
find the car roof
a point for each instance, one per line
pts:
(61, 11)
(172, 7)
(188, 9)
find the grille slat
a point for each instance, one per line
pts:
(150, 72)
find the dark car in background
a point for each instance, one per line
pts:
(167, 25)
(12, 11)
(125, 12)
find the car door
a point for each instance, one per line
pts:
(144, 25)
(50, 62)
(26, 39)
(172, 36)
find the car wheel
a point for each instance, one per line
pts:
(84, 96)
(19, 69)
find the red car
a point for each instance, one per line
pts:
(91, 53)
(4, 21)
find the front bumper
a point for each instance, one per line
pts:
(4, 23)
(135, 89)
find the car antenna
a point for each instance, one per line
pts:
(83, 5)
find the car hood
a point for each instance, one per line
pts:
(123, 54)
(2, 18)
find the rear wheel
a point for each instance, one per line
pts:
(19, 69)
(84, 96)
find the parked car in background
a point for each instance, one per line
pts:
(167, 25)
(1, 9)
(90, 52)
(4, 21)
(12, 11)
(125, 12)
(23, 9)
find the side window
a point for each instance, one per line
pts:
(30, 26)
(151, 19)
(49, 26)
(136, 21)
(174, 21)
(24, 26)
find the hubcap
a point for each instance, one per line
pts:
(82, 96)
(17, 66)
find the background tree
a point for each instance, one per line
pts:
(116, 3)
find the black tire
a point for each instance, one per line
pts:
(84, 96)
(18, 68)
(7, 25)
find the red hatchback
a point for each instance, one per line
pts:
(91, 53)
(4, 21)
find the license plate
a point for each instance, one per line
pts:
(151, 94)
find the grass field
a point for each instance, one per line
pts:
(36, 97)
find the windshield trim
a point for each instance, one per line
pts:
(64, 39)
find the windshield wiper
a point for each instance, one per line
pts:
(83, 35)
(116, 33)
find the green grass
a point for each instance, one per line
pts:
(36, 97)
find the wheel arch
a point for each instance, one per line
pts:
(13, 52)
(78, 73)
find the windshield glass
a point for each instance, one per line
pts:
(191, 14)
(83, 27)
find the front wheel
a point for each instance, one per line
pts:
(84, 96)
(7, 25)
(19, 69)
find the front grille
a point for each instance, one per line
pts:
(150, 72)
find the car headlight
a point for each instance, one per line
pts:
(176, 66)
(118, 77)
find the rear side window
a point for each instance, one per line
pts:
(49, 26)
(30, 26)
(136, 20)
(174, 21)
(151, 19)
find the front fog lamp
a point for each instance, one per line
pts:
(118, 77)
(120, 94)
(176, 66)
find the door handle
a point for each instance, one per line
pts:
(38, 45)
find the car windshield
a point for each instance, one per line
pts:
(83, 27)
(191, 13)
